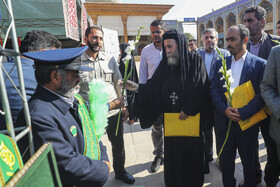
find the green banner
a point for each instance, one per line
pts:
(91, 149)
(10, 159)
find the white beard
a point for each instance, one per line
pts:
(68, 90)
(72, 92)
(172, 61)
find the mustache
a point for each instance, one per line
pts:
(94, 45)
(170, 55)
(229, 47)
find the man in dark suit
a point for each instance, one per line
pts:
(260, 44)
(244, 67)
(210, 55)
(61, 117)
(35, 40)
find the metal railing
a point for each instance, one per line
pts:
(22, 131)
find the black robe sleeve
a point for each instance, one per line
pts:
(196, 94)
(149, 100)
(197, 97)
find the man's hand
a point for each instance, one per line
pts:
(130, 85)
(183, 116)
(233, 114)
(117, 103)
(125, 113)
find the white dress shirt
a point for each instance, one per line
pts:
(236, 69)
(208, 60)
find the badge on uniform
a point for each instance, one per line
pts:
(73, 131)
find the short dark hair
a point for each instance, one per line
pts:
(278, 22)
(260, 12)
(43, 72)
(192, 40)
(158, 22)
(244, 31)
(37, 40)
(88, 30)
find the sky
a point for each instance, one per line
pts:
(186, 9)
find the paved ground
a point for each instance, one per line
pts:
(138, 147)
(139, 157)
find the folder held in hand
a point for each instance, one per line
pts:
(175, 127)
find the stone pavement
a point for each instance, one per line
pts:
(139, 157)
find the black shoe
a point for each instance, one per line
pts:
(156, 164)
(258, 180)
(125, 177)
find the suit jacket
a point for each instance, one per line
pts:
(51, 120)
(266, 45)
(253, 69)
(215, 58)
(270, 90)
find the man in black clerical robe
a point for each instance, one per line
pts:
(179, 85)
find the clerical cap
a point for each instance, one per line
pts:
(170, 34)
(68, 58)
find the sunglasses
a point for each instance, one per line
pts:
(190, 44)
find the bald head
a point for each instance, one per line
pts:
(241, 29)
(237, 38)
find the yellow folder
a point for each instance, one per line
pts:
(242, 95)
(175, 127)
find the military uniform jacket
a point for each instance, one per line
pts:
(52, 119)
(105, 68)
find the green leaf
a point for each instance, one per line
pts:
(276, 41)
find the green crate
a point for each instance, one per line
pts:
(40, 170)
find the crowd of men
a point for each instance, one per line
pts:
(175, 77)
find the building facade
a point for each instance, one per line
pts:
(127, 18)
(232, 14)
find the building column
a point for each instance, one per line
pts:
(159, 17)
(224, 21)
(124, 20)
(274, 7)
(198, 34)
(94, 19)
(237, 16)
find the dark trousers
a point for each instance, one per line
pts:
(208, 141)
(117, 143)
(272, 167)
(245, 142)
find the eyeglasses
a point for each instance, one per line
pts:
(190, 44)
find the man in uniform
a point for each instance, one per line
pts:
(61, 117)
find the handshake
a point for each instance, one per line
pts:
(130, 85)
(119, 102)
